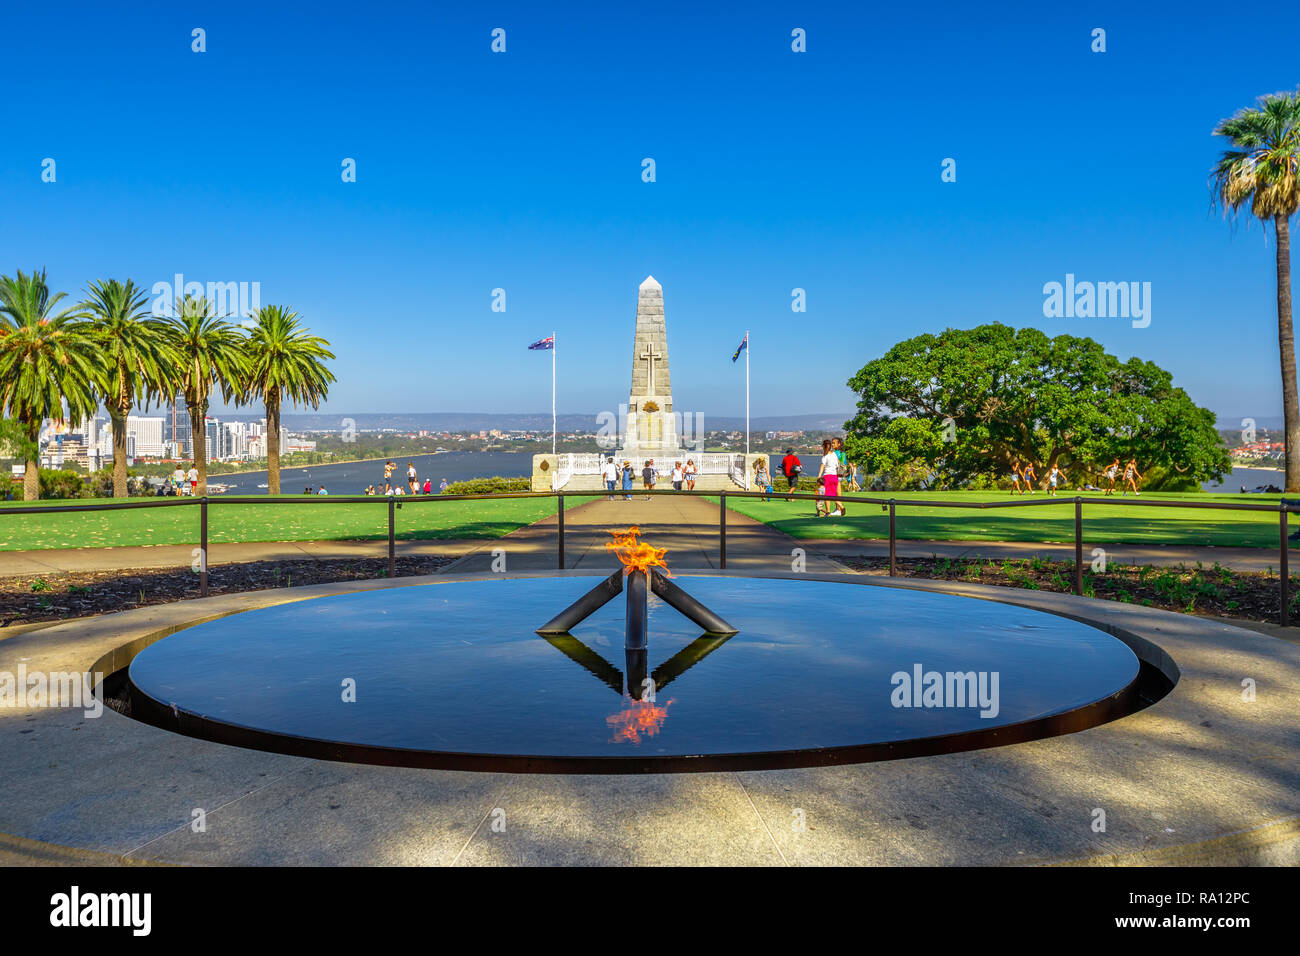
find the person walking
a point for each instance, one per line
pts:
(1029, 476)
(442, 487)
(609, 474)
(411, 478)
(791, 467)
(762, 480)
(1131, 477)
(1015, 477)
(690, 474)
(678, 476)
(1112, 476)
(428, 486)
(648, 475)
(1054, 478)
(829, 472)
(628, 480)
(837, 445)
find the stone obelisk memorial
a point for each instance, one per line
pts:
(647, 427)
(650, 431)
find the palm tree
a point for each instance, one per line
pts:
(211, 352)
(136, 361)
(285, 361)
(1263, 169)
(47, 358)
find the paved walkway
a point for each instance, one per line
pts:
(687, 526)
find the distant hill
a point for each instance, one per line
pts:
(462, 421)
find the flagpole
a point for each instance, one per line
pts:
(552, 393)
(747, 347)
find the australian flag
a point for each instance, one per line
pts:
(744, 343)
(546, 343)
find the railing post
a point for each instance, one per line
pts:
(392, 536)
(559, 536)
(203, 547)
(1284, 568)
(1078, 545)
(722, 533)
(892, 553)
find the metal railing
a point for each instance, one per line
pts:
(1282, 509)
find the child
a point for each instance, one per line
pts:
(1054, 478)
(823, 506)
(1029, 476)
(1131, 477)
(761, 478)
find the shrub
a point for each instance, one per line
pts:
(489, 486)
(63, 483)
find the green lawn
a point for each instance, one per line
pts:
(1103, 524)
(416, 519)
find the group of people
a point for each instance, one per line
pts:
(1023, 478)
(622, 477)
(835, 474)
(395, 488)
(184, 482)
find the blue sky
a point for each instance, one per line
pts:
(775, 170)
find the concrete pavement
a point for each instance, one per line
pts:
(1202, 776)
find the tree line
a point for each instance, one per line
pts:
(110, 351)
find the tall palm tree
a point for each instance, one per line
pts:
(136, 361)
(211, 353)
(47, 358)
(284, 362)
(1263, 170)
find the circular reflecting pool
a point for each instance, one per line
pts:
(453, 674)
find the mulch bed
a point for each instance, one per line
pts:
(1214, 591)
(59, 596)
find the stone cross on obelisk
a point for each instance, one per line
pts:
(650, 430)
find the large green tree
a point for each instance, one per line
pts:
(958, 408)
(1262, 172)
(212, 354)
(135, 359)
(47, 360)
(285, 361)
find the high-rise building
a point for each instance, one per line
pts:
(178, 427)
(148, 434)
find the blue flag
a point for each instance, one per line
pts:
(743, 344)
(546, 343)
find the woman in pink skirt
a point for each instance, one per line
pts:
(830, 473)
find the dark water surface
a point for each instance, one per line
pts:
(457, 667)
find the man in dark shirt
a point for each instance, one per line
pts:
(791, 467)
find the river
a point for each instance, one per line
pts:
(351, 478)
